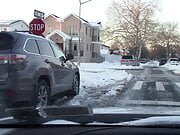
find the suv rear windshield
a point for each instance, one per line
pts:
(5, 41)
(127, 57)
(174, 59)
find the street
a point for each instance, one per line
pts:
(148, 86)
(152, 86)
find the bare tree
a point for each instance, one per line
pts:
(132, 23)
(168, 37)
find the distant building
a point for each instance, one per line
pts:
(110, 55)
(65, 33)
(104, 49)
(13, 25)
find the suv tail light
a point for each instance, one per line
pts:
(12, 58)
(131, 60)
(123, 60)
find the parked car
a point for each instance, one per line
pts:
(173, 61)
(129, 60)
(162, 61)
(34, 70)
(144, 61)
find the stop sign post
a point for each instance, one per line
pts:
(37, 26)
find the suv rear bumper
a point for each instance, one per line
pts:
(11, 95)
(16, 99)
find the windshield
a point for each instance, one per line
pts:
(113, 56)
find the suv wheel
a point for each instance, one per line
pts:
(42, 96)
(75, 86)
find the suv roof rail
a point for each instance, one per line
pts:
(23, 31)
(26, 31)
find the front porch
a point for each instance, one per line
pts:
(62, 39)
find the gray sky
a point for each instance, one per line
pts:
(92, 11)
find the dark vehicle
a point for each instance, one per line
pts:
(33, 70)
(162, 61)
(129, 60)
(173, 61)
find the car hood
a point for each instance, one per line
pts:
(138, 110)
(155, 120)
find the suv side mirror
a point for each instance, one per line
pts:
(62, 58)
(70, 57)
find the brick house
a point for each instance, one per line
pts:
(65, 33)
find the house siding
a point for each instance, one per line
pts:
(70, 26)
(51, 24)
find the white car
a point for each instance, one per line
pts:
(173, 61)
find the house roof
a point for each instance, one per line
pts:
(55, 17)
(60, 33)
(83, 20)
(105, 45)
(6, 22)
(95, 24)
(11, 22)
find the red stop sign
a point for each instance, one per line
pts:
(37, 26)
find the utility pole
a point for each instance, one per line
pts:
(79, 33)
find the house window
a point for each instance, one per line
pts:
(81, 53)
(50, 29)
(75, 47)
(87, 47)
(86, 30)
(90, 48)
(90, 33)
(72, 30)
(69, 30)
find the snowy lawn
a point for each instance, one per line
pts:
(151, 64)
(173, 68)
(100, 84)
(103, 74)
(107, 65)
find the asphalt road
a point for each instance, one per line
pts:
(152, 86)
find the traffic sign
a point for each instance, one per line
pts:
(39, 14)
(37, 26)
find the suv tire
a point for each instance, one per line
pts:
(42, 94)
(75, 85)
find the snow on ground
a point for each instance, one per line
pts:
(106, 66)
(173, 68)
(151, 64)
(101, 84)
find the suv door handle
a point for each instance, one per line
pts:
(47, 61)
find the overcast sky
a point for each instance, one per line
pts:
(92, 11)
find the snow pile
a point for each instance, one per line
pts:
(100, 84)
(151, 64)
(173, 68)
(107, 65)
(110, 57)
(99, 78)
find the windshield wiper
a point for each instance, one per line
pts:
(31, 115)
(78, 114)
